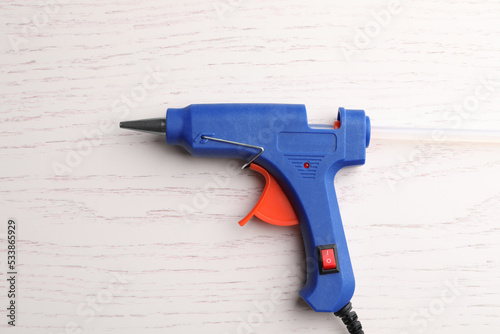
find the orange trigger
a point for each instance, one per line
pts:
(273, 206)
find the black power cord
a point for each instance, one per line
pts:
(350, 319)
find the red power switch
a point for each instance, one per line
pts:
(328, 257)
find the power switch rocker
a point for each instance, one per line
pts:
(328, 259)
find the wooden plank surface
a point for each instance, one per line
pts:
(119, 233)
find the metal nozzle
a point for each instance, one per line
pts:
(156, 126)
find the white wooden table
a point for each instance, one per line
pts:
(122, 234)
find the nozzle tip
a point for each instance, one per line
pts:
(151, 125)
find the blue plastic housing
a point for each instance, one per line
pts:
(290, 145)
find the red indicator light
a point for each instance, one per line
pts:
(306, 165)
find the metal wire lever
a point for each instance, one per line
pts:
(240, 144)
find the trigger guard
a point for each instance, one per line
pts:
(273, 206)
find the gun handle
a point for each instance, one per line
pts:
(327, 289)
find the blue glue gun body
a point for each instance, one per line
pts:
(303, 159)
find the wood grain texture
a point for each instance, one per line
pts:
(148, 235)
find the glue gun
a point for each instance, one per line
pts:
(299, 162)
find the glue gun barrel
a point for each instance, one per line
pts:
(152, 125)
